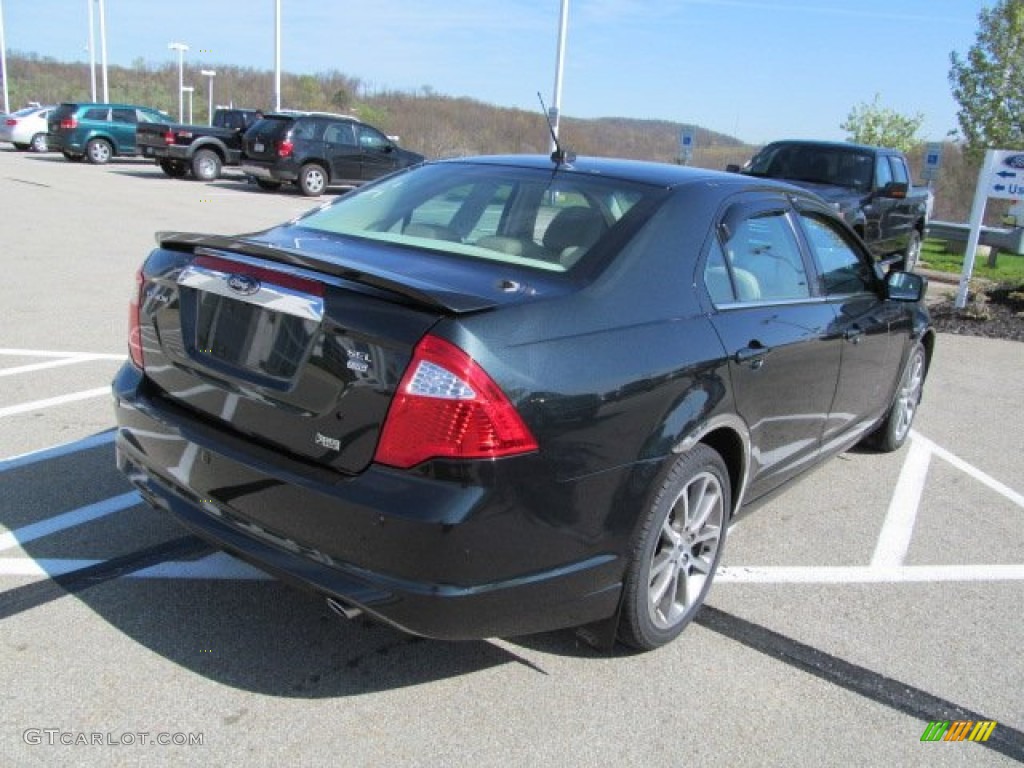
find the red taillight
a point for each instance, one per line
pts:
(134, 325)
(168, 137)
(285, 148)
(12, 122)
(69, 123)
(448, 407)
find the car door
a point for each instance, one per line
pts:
(342, 151)
(866, 322)
(776, 331)
(122, 128)
(376, 152)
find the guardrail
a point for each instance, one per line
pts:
(1009, 240)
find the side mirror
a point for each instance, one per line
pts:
(895, 189)
(905, 286)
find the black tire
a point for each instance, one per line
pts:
(268, 185)
(73, 158)
(312, 179)
(892, 433)
(912, 253)
(174, 168)
(676, 550)
(38, 143)
(99, 151)
(206, 165)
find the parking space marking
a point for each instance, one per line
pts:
(50, 402)
(898, 528)
(217, 566)
(46, 454)
(53, 353)
(866, 574)
(67, 520)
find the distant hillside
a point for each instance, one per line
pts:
(433, 124)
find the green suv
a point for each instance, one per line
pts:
(98, 131)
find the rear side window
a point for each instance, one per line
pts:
(340, 133)
(763, 256)
(97, 113)
(125, 116)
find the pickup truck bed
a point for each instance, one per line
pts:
(202, 150)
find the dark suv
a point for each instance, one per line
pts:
(318, 150)
(98, 131)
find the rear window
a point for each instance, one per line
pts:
(268, 128)
(527, 217)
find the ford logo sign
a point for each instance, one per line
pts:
(1014, 161)
(243, 284)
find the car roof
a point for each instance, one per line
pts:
(832, 145)
(642, 171)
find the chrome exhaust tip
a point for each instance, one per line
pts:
(340, 608)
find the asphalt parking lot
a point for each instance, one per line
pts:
(881, 593)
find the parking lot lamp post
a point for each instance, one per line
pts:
(3, 58)
(189, 90)
(210, 74)
(103, 49)
(180, 48)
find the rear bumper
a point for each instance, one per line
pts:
(270, 173)
(439, 558)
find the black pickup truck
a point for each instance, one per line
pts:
(201, 149)
(869, 186)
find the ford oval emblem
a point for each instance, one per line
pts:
(243, 284)
(1014, 161)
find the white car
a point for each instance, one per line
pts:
(26, 128)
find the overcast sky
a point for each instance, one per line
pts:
(756, 69)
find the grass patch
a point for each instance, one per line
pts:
(949, 257)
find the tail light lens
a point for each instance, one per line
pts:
(134, 325)
(69, 123)
(12, 122)
(448, 407)
(168, 138)
(285, 148)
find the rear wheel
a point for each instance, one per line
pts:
(893, 432)
(206, 165)
(99, 151)
(174, 168)
(312, 180)
(38, 143)
(677, 550)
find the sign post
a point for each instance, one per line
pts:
(1002, 176)
(687, 141)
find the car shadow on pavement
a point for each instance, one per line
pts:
(258, 635)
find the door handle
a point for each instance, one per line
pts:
(752, 355)
(854, 334)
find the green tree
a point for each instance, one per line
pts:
(989, 82)
(881, 126)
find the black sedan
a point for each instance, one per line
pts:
(497, 396)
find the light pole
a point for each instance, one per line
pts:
(277, 56)
(92, 49)
(103, 49)
(180, 48)
(556, 106)
(3, 58)
(189, 90)
(210, 74)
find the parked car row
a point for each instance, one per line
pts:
(312, 150)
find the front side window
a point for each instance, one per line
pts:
(370, 138)
(843, 268)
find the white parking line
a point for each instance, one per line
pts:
(44, 366)
(859, 574)
(50, 402)
(53, 353)
(898, 528)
